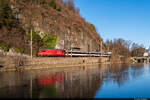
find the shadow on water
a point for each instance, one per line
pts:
(82, 81)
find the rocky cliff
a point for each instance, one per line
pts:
(50, 17)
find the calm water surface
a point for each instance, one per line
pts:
(95, 81)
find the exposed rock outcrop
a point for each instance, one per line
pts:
(69, 26)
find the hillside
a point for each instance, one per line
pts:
(47, 17)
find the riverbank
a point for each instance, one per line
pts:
(12, 63)
(38, 67)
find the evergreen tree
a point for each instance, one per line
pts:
(5, 14)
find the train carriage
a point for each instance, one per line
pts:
(76, 54)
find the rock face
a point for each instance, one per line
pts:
(71, 29)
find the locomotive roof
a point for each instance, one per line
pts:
(51, 49)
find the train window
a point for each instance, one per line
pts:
(77, 52)
(63, 51)
(42, 50)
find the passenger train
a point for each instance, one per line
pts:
(64, 53)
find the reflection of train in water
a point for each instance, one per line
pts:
(64, 53)
(52, 79)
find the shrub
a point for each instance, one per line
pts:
(6, 14)
(93, 27)
(50, 41)
(58, 9)
(20, 50)
(5, 47)
(35, 36)
(30, 1)
(52, 4)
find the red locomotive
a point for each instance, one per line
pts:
(51, 52)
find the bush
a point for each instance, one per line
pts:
(30, 1)
(35, 36)
(5, 47)
(19, 50)
(93, 27)
(6, 14)
(52, 4)
(58, 9)
(50, 41)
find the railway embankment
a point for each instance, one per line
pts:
(8, 63)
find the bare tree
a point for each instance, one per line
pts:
(69, 4)
(137, 50)
(119, 47)
(125, 48)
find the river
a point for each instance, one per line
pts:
(94, 81)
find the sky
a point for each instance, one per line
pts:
(127, 19)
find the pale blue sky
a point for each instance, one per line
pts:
(127, 19)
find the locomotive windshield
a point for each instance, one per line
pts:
(42, 50)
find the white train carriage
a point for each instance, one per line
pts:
(83, 54)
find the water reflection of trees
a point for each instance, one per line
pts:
(136, 70)
(81, 82)
(115, 73)
(12, 85)
(122, 73)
